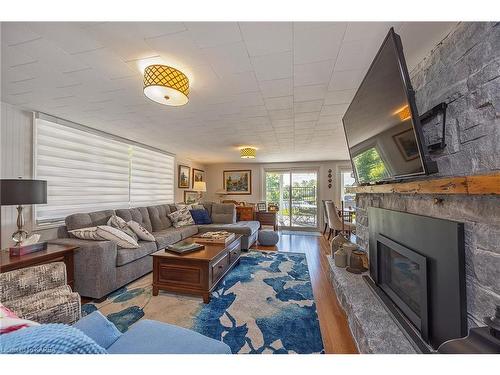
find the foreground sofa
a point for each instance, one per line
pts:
(102, 267)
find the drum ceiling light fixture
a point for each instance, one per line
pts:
(166, 85)
(248, 152)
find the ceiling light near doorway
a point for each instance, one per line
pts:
(166, 85)
(248, 152)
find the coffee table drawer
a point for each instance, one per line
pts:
(234, 254)
(219, 267)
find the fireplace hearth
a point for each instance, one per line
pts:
(417, 270)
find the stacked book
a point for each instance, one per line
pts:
(183, 247)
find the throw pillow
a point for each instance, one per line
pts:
(10, 322)
(89, 233)
(182, 217)
(140, 231)
(118, 223)
(201, 216)
(116, 235)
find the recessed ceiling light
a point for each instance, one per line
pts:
(166, 85)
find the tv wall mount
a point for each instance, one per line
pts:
(431, 113)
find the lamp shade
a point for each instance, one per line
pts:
(200, 186)
(248, 153)
(19, 191)
(166, 85)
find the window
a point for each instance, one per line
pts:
(347, 180)
(91, 171)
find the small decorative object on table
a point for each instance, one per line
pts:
(220, 237)
(337, 243)
(30, 245)
(261, 206)
(273, 207)
(349, 247)
(340, 258)
(184, 247)
(356, 262)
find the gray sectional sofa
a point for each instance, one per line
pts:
(102, 267)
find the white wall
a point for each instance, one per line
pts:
(215, 179)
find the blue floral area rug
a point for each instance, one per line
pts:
(264, 305)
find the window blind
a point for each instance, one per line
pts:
(151, 177)
(87, 171)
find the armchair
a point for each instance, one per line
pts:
(40, 293)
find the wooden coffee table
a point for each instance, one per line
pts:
(197, 272)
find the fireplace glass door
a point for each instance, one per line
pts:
(402, 274)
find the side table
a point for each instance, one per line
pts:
(54, 253)
(266, 218)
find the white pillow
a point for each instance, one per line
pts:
(182, 217)
(140, 231)
(89, 233)
(116, 235)
(118, 223)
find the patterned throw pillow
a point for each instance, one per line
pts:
(89, 233)
(118, 223)
(140, 231)
(10, 322)
(116, 235)
(182, 217)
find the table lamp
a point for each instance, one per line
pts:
(17, 193)
(200, 187)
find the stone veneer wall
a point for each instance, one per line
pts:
(464, 71)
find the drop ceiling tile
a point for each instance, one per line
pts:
(228, 59)
(367, 30)
(283, 102)
(16, 33)
(317, 44)
(276, 87)
(178, 50)
(282, 123)
(148, 30)
(281, 114)
(309, 125)
(313, 73)
(212, 34)
(310, 106)
(346, 80)
(308, 116)
(356, 55)
(265, 38)
(271, 67)
(339, 97)
(334, 109)
(239, 83)
(66, 35)
(308, 93)
(107, 63)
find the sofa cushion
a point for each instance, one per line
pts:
(182, 217)
(99, 329)
(91, 219)
(49, 339)
(208, 207)
(246, 228)
(89, 233)
(138, 214)
(167, 237)
(118, 223)
(117, 236)
(223, 213)
(125, 256)
(159, 217)
(141, 232)
(152, 337)
(188, 231)
(201, 216)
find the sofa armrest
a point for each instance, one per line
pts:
(94, 264)
(27, 281)
(98, 328)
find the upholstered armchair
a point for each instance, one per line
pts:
(40, 293)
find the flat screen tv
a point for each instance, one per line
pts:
(382, 126)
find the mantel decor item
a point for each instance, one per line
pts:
(340, 258)
(183, 177)
(238, 182)
(166, 85)
(18, 192)
(356, 262)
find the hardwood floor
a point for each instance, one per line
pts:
(337, 337)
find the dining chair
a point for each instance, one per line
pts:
(336, 223)
(325, 216)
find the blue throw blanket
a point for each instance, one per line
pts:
(49, 339)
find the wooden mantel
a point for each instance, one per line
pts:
(488, 184)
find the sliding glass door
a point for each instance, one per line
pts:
(296, 194)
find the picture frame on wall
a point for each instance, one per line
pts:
(261, 206)
(407, 144)
(183, 177)
(190, 197)
(197, 175)
(237, 182)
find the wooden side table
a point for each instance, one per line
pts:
(266, 218)
(54, 253)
